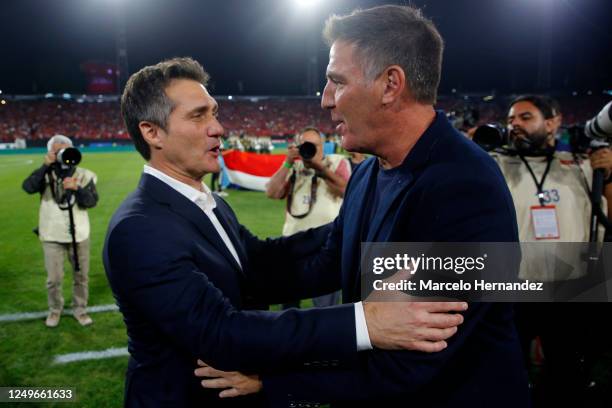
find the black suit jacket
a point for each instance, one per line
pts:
(182, 296)
(446, 190)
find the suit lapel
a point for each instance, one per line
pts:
(179, 204)
(364, 197)
(402, 181)
(225, 220)
(371, 219)
(356, 207)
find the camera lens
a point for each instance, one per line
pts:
(307, 150)
(489, 137)
(70, 156)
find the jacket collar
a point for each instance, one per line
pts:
(417, 158)
(181, 205)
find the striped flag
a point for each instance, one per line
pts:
(251, 170)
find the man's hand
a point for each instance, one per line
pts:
(602, 159)
(50, 158)
(420, 326)
(315, 164)
(292, 154)
(235, 383)
(70, 183)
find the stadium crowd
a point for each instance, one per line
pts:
(40, 120)
(34, 120)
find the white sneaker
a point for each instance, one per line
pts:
(53, 319)
(83, 319)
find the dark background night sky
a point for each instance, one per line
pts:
(490, 44)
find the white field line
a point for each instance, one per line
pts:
(90, 355)
(16, 317)
(16, 163)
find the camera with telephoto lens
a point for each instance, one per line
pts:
(69, 156)
(66, 160)
(596, 133)
(307, 150)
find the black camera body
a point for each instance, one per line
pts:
(580, 142)
(596, 133)
(307, 150)
(491, 136)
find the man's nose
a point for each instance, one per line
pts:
(327, 101)
(216, 130)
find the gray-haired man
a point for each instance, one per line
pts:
(426, 183)
(58, 189)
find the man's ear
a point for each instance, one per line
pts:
(394, 81)
(549, 125)
(151, 134)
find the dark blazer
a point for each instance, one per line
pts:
(182, 296)
(447, 190)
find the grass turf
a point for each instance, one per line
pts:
(27, 348)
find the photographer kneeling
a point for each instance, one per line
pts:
(67, 191)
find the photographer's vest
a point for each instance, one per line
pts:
(326, 206)
(53, 222)
(565, 188)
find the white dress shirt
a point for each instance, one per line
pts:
(204, 199)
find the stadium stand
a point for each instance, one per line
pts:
(35, 119)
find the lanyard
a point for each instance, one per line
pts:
(540, 184)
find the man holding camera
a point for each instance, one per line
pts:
(314, 188)
(537, 174)
(551, 191)
(66, 192)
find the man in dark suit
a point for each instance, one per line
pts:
(428, 183)
(183, 270)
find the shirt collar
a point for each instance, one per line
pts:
(203, 199)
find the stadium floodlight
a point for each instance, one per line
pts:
(306, 3)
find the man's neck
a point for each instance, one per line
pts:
(170, 171)
(402, 133)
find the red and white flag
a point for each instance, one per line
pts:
(251, 170)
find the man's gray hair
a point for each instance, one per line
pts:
(58, 139)
(144, 97)
(393, 35)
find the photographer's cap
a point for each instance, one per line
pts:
(58, 139)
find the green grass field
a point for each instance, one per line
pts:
(27, 348)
